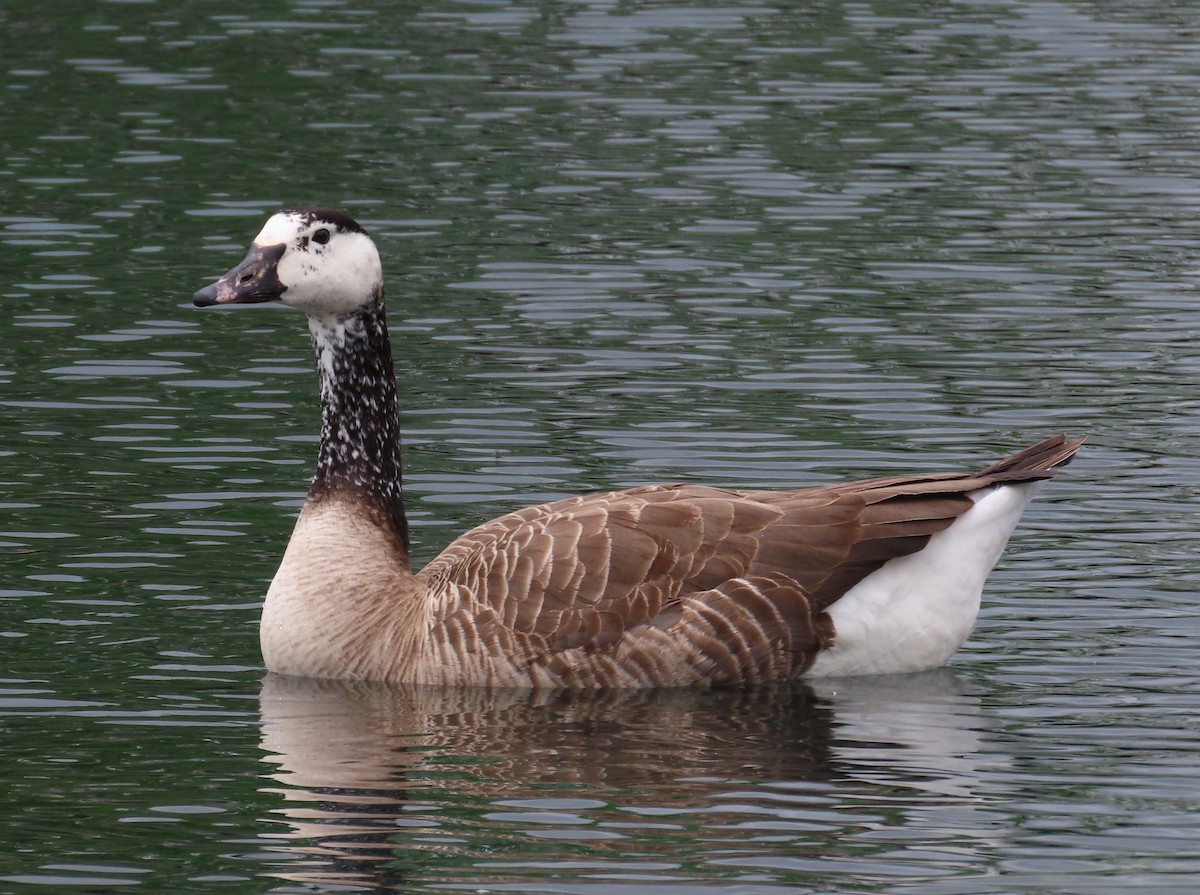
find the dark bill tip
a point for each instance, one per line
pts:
(206, 297)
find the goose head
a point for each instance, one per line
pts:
(318, 260)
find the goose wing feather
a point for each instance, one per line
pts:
(586, 572)
(742, 577)
(600, 563)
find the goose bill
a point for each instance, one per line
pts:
(256, 279)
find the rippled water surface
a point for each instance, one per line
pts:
(751, 245)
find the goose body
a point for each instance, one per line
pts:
(664, 585)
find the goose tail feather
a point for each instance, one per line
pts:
(1038, 461)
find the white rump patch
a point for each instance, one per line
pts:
(914, 612)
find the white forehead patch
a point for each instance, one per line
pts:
(279, 228)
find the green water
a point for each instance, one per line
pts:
(750, 245)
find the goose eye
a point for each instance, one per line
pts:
(321, 236)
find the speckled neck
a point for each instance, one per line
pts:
(360, 432)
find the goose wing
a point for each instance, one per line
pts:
(760, 568)
(582, 571)
(753, 566)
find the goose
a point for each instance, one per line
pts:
(672, 585)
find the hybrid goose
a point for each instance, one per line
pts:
(659, 586)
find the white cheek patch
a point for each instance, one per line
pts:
(322, 279)
(335, 279)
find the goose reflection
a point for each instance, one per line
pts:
(382, 786)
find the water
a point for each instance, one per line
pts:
(751, 245)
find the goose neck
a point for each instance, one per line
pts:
(359, 457)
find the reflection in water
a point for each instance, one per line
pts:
(384, 786)
(922, 727)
